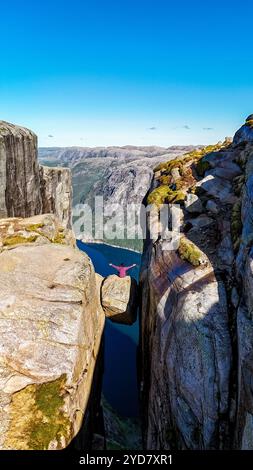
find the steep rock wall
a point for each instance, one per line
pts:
(51, 322)
(197, 336)
(186, 354)
(56, 192)
(51, 327)
(26, 188)
(20, 194)
(244, 265)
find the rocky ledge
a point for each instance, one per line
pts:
(51, 326)
(51, 323)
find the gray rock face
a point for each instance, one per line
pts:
(201, 221)
(218, 187)
(26, 188)
(56, 191)
(186, 353)
(193, 203)
(19, 172)
(244, 134)
(126, 184)
(51, 324)
(197, 322)
(212, 207)
(244, 262)
(51, 319)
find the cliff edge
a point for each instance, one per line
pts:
(197, 340)
(27, 188)
(51, 322)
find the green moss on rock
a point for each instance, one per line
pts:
(202, 166)
(164, 179)
(50, 423)
(189, 252)
(168, 166)
(164, 194)
(249, 123)
(236, 223)
(34, 227)
(37, 417)
(19, 239)
(59, 238)
(238, 183)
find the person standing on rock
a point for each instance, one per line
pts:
(122, 269)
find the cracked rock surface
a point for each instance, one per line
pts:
(51, 325)
(197, 327)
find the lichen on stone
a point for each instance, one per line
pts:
(34, 227)
(164, 194)
(236, 224)
(238, 183)
(59, 238)
(249, 123)
(18, 239)
(37, 417)
(202, 166)
(189, 252)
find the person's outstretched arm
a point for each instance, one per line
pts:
(114, 266)
(129, 267)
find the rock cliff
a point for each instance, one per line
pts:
(51, 322)
(51, 326)
(20, 194)
(196, 314)
(56, 193)
(26, 188)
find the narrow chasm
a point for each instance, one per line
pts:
(117, 425)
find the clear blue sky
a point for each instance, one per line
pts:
(107, 72)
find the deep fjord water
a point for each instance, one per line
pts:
(120, 376)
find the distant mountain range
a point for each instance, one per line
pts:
(73, 155)
(121, 174)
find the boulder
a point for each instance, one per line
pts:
(228, 173)
(120, 299)
(212, 207)
(51, 325)
(218, 187)
(244, 134)
(201, 221)
(193, 203)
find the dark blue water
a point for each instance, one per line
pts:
(120, 377)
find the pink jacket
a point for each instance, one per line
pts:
(122, 270)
